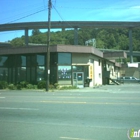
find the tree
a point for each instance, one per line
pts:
(17, 42)
(105, 38)
(35, 32)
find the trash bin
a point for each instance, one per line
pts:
(87, 81)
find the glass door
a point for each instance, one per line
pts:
(78, 79)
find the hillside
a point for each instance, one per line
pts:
(105, 38)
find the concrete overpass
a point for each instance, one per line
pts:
(73, 24)
(68, 24)
(114, 54)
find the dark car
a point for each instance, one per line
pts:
(128, 79)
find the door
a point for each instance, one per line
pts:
(78, 79)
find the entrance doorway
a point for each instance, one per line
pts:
(78, 79)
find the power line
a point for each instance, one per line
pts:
(65, 21)
(96, 8)
(22, 8)
(27, 15)
(23, 12)
(41, 9)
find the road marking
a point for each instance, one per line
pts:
(71, 138)
(2, 97)
(127, 98)
(95, 103)
(12, 108)
(63, 102)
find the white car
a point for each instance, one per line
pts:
(128, 79)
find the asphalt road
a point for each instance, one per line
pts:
(105, 113)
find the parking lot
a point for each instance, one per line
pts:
(102, 113)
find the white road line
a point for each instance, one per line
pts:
(2, 97)
(12, 108)
(71, 138)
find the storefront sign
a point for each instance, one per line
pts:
(90, 71)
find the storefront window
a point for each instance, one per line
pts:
(40, 73)
(64, 75)
(21, 75)
(78, 68)
(23, 61)
(3, 74)
(64, 58)
(3, 60)
(40, 60)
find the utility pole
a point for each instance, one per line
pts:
(48, 46)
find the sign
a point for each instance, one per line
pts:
(90, 72)
(133, 134)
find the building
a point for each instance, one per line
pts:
(69, 65)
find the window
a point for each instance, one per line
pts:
(64, 75)
(3, 60)
(3, 74)
(40, 60)
(21, 75)
(127, 77)
(78, 68)
(64, 58)
(132, 78)
(23, 61)
(40, 73)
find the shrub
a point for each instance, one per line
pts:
(41, 84)
(56, 85)
(30, 86)
(3, 84)
(11, 86)
(51, 86)
(19, 86)
(68, 87)
(24, 84)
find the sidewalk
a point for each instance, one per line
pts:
(103, 88)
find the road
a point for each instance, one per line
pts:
(105, 113)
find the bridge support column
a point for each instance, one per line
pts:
(63, 29)
(63, 33)
(130, 45)
(26, 37)
(75, 36)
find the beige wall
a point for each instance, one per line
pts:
(93, 62)
(95, 70)
(78, 58)
(97, 73)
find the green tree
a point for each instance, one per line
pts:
(105, 38)
(17, 42)
(35, 32)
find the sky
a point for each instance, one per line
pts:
(15, 11)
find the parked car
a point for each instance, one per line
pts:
(128, 79)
